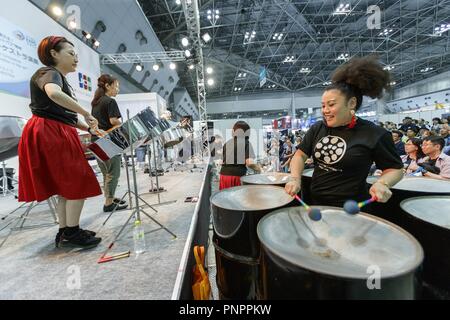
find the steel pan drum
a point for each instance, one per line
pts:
(236, 213)
(336, 259)
(119, 140)
(428, 219)
(268, 178)
(171, 135)
(151, 122)
(10, 132)
(409, 187)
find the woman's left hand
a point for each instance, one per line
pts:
(380, 191)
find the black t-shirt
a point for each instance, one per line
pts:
(106, 108)
(41, 105)
(235, 152)
(343, 158)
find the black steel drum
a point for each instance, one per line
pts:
(10, 132)
(409, 187)
(268, 178)
(306, 185)
(339, 257)
(428, 219)
(119, 140)
(236, 213)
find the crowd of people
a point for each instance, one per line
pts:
(423, 148)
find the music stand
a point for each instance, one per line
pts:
(137, 210)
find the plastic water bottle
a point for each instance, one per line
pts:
(139, 237)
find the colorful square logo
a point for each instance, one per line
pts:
(85, 82)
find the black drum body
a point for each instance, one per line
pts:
(236, 243)
(286, 281)
(434, 236)
(409, 187)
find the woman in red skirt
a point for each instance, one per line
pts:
(237, 156)
(51, 159)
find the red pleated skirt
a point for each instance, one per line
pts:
(229, 182)
(52, 162)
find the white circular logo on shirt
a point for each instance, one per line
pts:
(330, 150)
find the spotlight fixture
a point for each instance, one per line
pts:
(327, 83)
(289, 59)
(305, 70)
(210, 82)
(172, 66)
(213, 16)
(209, 70)
(388, 68)
(187, 53)
(426, 69)
(96, 43)
(438, 31)
(155, 67)
(392, 83)
(277, 36)
(242, 74)
(343, 57)
(249, 37)
(206, 37)
(185, 42)
(57, 11)
(385, 32)
(343, 9)
(139, 67)
(191, 67)
(87, 35)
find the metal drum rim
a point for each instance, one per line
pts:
(420, 198)
(243, 179)
(415, 178)
(246, 187)
(414, 266)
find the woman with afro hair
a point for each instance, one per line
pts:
(344, 146)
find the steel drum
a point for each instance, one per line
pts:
(171, 136)
(409, 187)
(268, 178)
(306, 184)
(10, 132)
(339, 257)
(152, 123)
(119, 140)
(428, 219)
(236, 212)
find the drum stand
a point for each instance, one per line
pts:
(25, 216)
(137, 210)
(4, 181)
(158, 189)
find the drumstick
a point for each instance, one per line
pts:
(353, 207)
(114, 257)
(313, 213)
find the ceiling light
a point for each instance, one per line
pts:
(210, 82)
(187, 53)
(191, 67)
(178, 2)
(96, 43)
(155, 67)
(172, 66)
(139, 67)
(57, 11)
(388, 68)
(185, 42)
(209, 70)
(206, 37)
